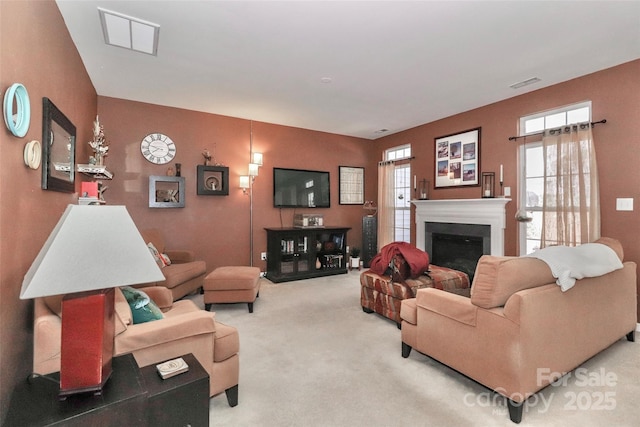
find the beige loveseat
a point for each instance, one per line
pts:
(185, 274)
(519, 331)
(184, 329)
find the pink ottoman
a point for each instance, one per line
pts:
(232, 285)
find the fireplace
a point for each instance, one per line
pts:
(474, 226)
(457, 246)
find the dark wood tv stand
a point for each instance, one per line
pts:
(304, 253)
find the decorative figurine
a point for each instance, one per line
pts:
(98, 144)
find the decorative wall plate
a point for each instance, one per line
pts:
(33, 154)
(18, 121)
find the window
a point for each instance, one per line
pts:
(402, 184)
(531, 187)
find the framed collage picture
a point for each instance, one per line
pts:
(458, 159)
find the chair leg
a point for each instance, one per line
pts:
(631, 336)
(406, 350)
(232, 395)
(367, 310)
(207, 307)
(515, 410)
(250, 307)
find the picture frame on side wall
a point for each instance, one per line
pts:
(457, 158)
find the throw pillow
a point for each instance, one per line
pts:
(143, 309)
(165, 259)
(156, 254)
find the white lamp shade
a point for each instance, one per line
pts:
(253, 169)
(91, 247)
(257, 159)
(244, 181)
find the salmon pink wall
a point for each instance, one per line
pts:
(217, 227)
(614, 94)
(36, 50)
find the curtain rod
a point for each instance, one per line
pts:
(386, 162)
(513, 138)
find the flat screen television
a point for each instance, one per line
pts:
(296, 188)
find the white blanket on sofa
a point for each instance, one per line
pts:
(569, 264)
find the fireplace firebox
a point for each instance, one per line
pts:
(457, 246)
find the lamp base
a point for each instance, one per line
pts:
(87, 341)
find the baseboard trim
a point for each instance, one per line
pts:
(637, 327)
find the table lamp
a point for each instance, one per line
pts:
(91, 250)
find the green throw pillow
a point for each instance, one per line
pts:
(142, 307)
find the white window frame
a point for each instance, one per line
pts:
(548, 119)
(402, 208)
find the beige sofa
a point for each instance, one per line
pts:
(184, 275)
(519, 331)
(184, 329)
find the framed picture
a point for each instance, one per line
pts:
(166, 191)
(351, 184)
(458, 159)
(213, 180)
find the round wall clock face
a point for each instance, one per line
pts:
(158, 148)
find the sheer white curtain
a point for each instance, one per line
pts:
(386, 203)
(571, 205)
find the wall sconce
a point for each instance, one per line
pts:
(253, 169)
(245, 183)
(256, 158)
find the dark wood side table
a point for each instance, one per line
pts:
(182, 400)
(122, 402)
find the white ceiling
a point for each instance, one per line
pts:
(394, 65)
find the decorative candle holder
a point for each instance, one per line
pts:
(424, 190)
(488, 184)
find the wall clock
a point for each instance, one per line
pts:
(158, 148)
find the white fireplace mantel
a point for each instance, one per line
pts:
(486, 211)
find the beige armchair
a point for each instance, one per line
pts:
(185, 274)
(184, 329)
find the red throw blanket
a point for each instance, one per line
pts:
(417, 260)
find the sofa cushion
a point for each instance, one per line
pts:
(54, 303)
(177, 274)
(153, 235)
(227, 342)
(123, 312)
(497, 278)
(142, 307)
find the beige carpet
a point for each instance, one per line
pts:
(309, 356)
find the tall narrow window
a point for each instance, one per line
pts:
(531, 161)
(402, 192)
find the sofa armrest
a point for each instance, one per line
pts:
(160, 295)
(181, 256)
(453, 306)
(169, 329)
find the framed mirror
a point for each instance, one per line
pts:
(58, 149)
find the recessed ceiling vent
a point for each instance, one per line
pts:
(523, 83)
(128, 32)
